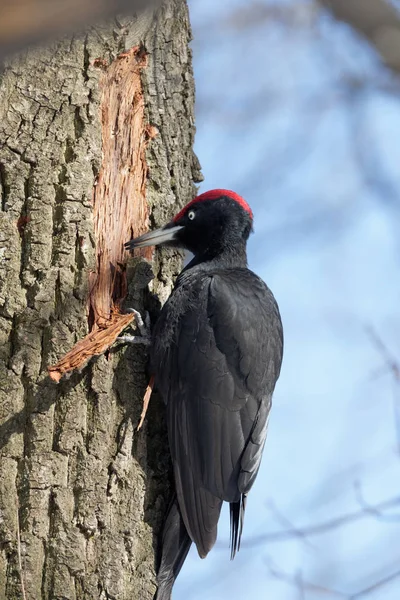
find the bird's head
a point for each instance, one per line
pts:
(210, 223)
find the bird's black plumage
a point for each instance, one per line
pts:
(175, 545)
(216, 371)
(216, 353)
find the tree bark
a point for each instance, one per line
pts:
(96, 138)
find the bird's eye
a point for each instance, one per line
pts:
(191, 215)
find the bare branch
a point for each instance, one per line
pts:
(317, 529)
(286, 523)
(372, 588)
(251, 14)
(391, 362)
(376, 20)
(298, 582)
(294, 580)
(392, 365)
(369, 508)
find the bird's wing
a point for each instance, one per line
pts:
(222, 372)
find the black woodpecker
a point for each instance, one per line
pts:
(216, 354)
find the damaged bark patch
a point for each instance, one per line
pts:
(120, 210)
(119, 197)
(93, 344)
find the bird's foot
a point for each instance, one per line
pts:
(144, 330)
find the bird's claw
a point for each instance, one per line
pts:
(144, 329)
(134, 339)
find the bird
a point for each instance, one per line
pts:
(216, 354)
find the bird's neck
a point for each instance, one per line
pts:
(229, 258)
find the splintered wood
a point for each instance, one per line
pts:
(92, 345)
(119, 205)
(146, 400)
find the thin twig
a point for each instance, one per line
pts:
(393, 366)
(293, 580)
(351, 517)
(280, 517)
(375, 586)
(391, 362)
(298, 582)
(369, 508)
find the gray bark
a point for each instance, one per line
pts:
(82, 494)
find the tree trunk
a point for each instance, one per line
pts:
(96, 139)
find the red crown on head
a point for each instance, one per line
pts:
(213, 195)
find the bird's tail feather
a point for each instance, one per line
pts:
(175, 546)
(237, 510)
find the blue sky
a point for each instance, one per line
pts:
(301, 119)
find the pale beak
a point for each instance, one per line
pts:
(154, 238)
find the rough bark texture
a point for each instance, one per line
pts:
(82, 495)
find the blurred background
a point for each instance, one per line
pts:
(298, 110)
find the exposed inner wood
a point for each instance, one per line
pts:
(119, 204)
(146, 400)
(92, 345)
